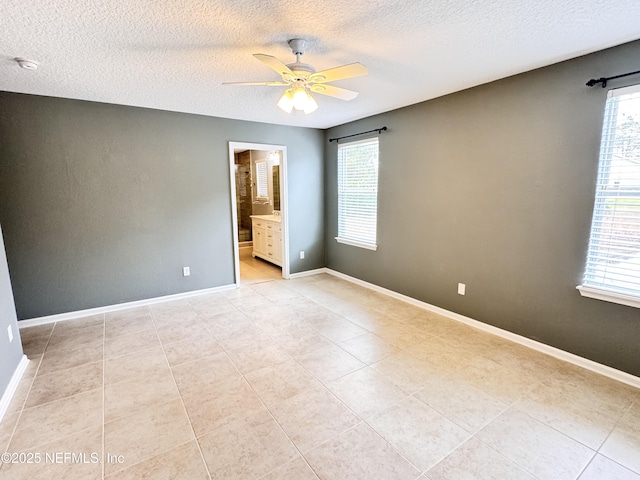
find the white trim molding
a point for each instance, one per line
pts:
(8, 394)
(585, 363)
(32, 322)
(284, 202)
(609, 296)
(308, 273)
(353, 243)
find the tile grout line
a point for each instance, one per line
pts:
(521, 467)
(104, 374)
(68, 396)
(587, 465)
(277, 423)
(62, 399)
(513, 405)
(150, 314)
(510, 405)
(184, 407)
(635, 400)
(294, 359)
(362, 420)
(24, 402)
(264, 404)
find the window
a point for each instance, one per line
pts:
(262, 190)
(613, 260)
(358, 193)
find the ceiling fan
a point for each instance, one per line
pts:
(302, 79)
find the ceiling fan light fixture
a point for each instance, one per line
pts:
(286, 101)
(312, 106)
(300, 98)
(301, 79)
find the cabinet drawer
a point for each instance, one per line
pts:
(275, 227)
(270, 250)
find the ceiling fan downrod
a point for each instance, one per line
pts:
(298, 47)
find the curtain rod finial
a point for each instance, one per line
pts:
(594, 82)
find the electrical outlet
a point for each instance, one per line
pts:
(301, 254)
(186, 271)
(10, 331)
(461, 288)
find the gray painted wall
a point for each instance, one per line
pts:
(10, 352)
(103, 204)
(494, 187)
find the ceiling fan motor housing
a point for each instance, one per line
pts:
(302, 70)
(302, 78)
(298, 46)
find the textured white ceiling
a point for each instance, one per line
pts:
(174, 55)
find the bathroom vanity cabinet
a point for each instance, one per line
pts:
(267, 238)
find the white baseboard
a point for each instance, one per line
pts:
(32, 322)
(308, 273)
(13, 386)
(585, 363)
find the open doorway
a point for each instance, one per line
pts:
(259, 211)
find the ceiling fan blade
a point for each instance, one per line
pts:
(339, 73)
(332, 91)
(268, 84)
(274, 64)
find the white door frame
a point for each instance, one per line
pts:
(284, 205)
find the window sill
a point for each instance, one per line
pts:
(609, 296)
(353, 243)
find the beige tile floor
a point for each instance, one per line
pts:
(256, 270)
(305, 379)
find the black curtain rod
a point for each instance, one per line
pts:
(604, 80)
(379, 130)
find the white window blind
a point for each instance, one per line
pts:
(613, 260)
(262, 190)
(358, 193)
